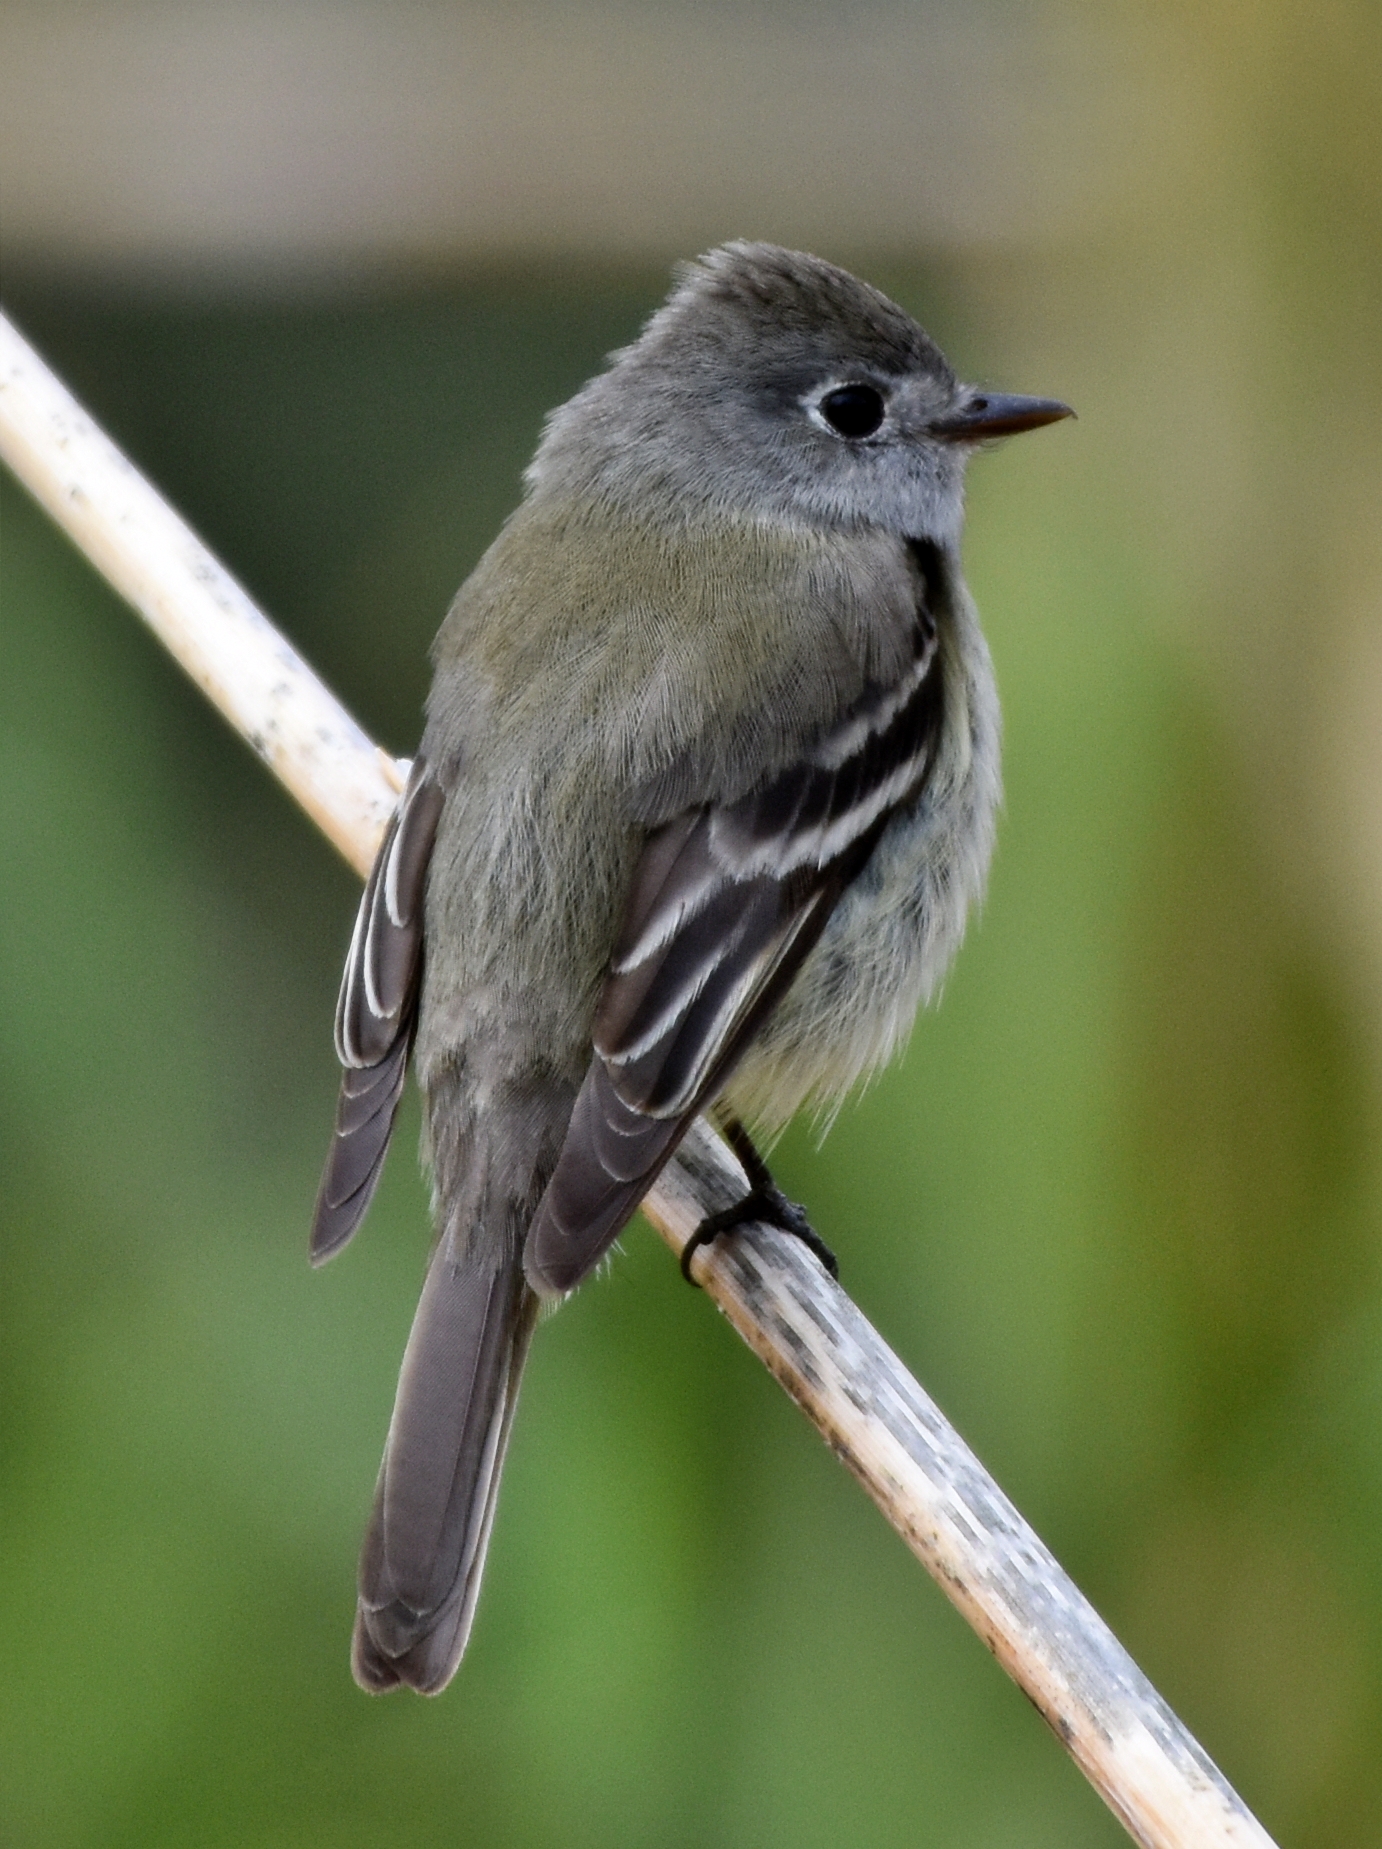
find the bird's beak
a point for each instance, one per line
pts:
(996, 414)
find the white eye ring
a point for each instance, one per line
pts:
(855, 409)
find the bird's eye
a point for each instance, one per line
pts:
(853, 410)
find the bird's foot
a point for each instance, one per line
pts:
(765, 1204)
(765, 1201)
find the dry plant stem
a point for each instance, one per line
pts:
(804, 1328)
(935, 1492)
(191, 602)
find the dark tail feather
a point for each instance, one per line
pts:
(424, 1550)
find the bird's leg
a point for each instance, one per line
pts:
(765, 1201)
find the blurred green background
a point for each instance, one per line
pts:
(1119, 1208)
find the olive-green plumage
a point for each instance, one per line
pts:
(706, 791)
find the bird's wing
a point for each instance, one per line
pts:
(376, 1014)
(726, 902)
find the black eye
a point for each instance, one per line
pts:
(853, 410)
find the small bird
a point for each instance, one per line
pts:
(706, 790)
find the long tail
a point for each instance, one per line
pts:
(424, 1549)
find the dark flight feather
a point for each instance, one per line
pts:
(726, 903)
(375, 1015)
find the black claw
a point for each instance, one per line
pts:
(767, 1203)
(764, 1201)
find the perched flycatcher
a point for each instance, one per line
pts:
(706, 791)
